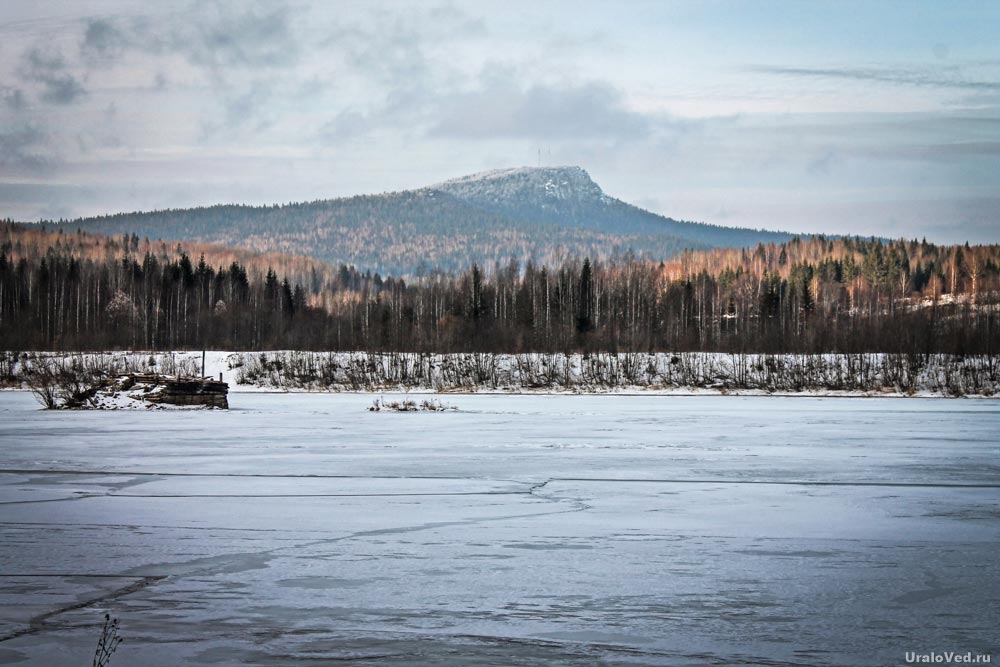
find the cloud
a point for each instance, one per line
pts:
(347, 125)
(392, 47)
(217, 36)
(255, 37)
(936, 77)
(249, 105)
(408, 60)
(499, 106)
(959, 151)
(48, 69)
(103, 39)
(502, 109)
(24, 150)
(822, 165)
(13, 98)
(231, 48)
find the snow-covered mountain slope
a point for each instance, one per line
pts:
(541, 186)
(568, 197)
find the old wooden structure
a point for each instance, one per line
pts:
(192, 391)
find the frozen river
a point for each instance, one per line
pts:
(519, 530)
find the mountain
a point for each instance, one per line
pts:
(540, 213)
(568, 197)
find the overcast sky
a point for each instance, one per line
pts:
(868, 117)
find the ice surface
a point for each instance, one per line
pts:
(519, 530)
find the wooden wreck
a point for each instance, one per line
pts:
(188, 391)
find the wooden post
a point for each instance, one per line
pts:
(203, 363)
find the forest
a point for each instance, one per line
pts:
(63, 290)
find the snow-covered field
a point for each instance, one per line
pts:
(519, 530)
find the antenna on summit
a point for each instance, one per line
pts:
(539, 156)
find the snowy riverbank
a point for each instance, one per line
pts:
(625, 373)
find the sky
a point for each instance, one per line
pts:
(872, 118)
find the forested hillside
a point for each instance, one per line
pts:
(77, 291)
(539, 214)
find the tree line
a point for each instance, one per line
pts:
(76, 291)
